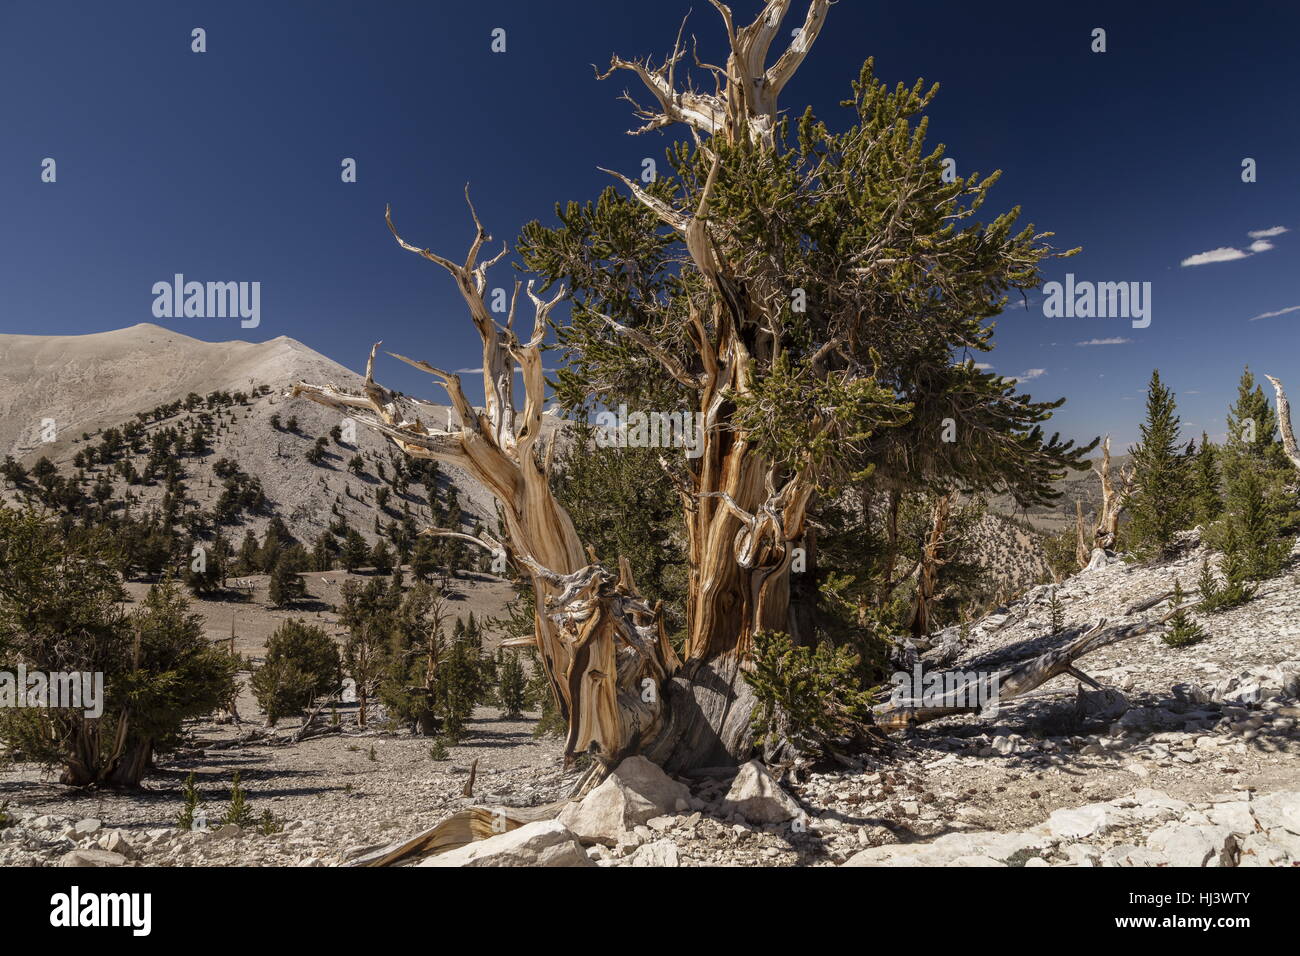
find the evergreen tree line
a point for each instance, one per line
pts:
(402, 648)
(1242, 493)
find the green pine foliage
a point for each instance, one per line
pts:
(1207, 499)
(302, 662)
(238, 812)
(623, 504)
(511, 684)
(809, 697)
(1260, 512)
(159, 668)
(322, 555)
(1056, 610)
(286, 585)
(417, 648)
(1236, 588)
(1159, 504)
(1183, 630)
(876, 252)
(192, 802)
(461, 684)
(355, 553)
(369, 612)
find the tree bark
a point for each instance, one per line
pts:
(1284, 423)
(932, 560)
(1113, 500)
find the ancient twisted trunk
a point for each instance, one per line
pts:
(932, 560)
(615, 677)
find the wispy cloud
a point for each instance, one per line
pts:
(1232, 253)
(1111, 341)
(1029, 375)
(1224, 254)
(1271, 315)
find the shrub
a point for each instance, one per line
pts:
(301, 664)
(1057, 611)
(807, 696)
(60, 611)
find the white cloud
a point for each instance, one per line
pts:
(983, 366)
(1231, 253)
(1111, 341)
(1270, 315)
(1030, 374)
(1224, 254)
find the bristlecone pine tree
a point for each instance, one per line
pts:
(512, 684)
(804, 291)
(1259, 502)
(285, 585)
(1159, 503)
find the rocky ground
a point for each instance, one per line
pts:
(1187, 758)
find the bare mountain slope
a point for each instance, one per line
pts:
(86, 383)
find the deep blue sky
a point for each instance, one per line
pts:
(225, 165)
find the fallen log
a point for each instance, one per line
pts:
(1147, 604)
(995, 687)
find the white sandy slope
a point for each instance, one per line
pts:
(89, 382)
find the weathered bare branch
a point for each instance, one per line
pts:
(663, 356)
(1284, 423)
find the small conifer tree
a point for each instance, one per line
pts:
(190, 794)
(1235, 590)
(511, 685)
(239, 812)
(1183, 629)
(1207, 503)
(1159, 504)
(1057, 611)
